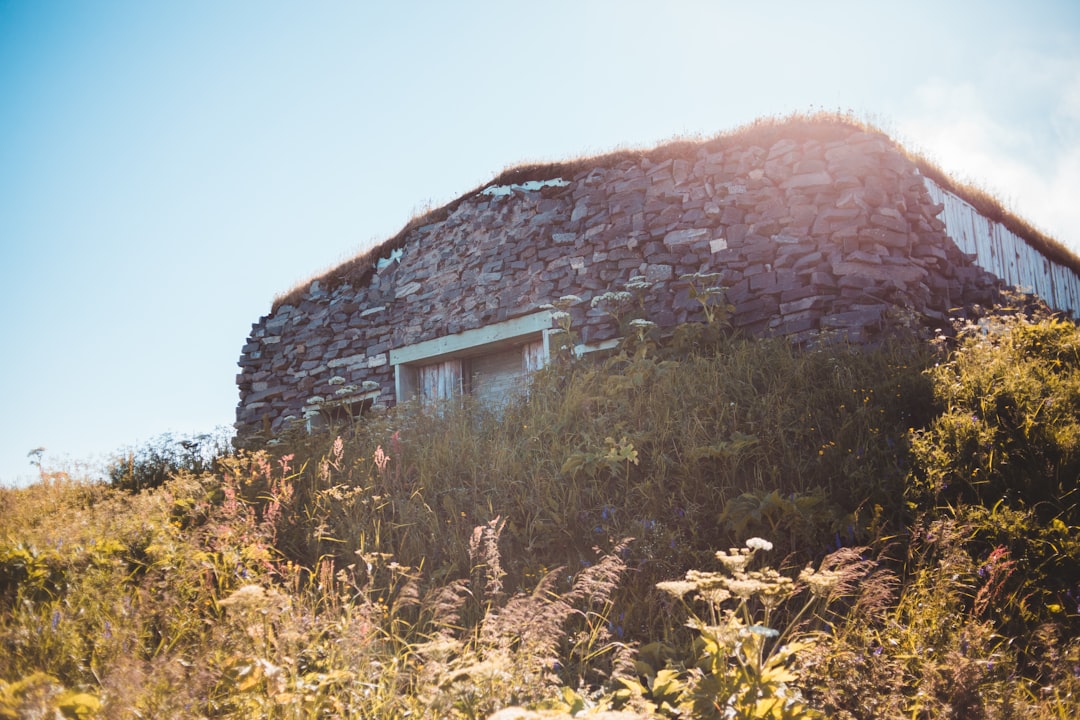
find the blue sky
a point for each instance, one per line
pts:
(167, 168)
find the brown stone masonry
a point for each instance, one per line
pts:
(808, 235)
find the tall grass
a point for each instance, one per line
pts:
(451, 564)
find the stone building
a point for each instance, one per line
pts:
(810, 225)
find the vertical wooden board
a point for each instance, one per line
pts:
(534, 356)
(439, 381)
(1002, 252)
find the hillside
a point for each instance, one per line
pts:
(697, 525)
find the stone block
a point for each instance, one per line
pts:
(762, 281)
(681, 170)
(679, 237)
(658, 272)
(864, 256)
(755, 308)
(732, 215)
(809, 166)
(796, 322)
(887, 238)
(895, 224)
(739, 290)
(808, 261)
(880, 272)
(856, 318)
(805, 180)
(811, 302)
(407, 290)
(830, 218)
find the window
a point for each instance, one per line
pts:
(491, 362)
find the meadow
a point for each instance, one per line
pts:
(697, 525)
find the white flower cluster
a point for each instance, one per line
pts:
(336, 380)
(612, 298)
(311, 409)
(756, 543)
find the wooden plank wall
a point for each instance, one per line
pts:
(1007, 255)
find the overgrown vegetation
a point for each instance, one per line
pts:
(151, 464)
(896, 527)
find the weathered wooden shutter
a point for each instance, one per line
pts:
(440, 381)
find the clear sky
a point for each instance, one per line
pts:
(167, 168)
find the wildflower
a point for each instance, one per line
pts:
(247, 596)
(820, 582)
(735, 559)
(315, 400)
(381, 458)
(775, 587)
(640, 323)
(756, 543)
(369, 385)
(706, 581)
(613, 298)
(714, 596)
(744, 587)
(336, 380)
(677, 588)
(570, 299)
(559, 315)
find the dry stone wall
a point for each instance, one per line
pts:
(808, 235)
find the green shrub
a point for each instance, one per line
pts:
(1002, 459)
(1010, 427)
(157, 460)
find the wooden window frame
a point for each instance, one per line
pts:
(408, 360)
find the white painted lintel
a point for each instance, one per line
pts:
(496, 333)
